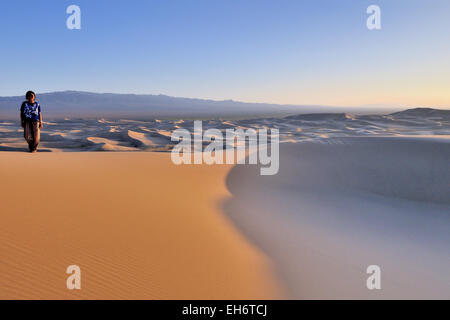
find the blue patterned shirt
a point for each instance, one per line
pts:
(30, 111)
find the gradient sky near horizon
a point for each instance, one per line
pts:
(277, 51)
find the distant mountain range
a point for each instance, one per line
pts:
(109, 105)
(88, 104)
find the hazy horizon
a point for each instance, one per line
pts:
(82, 104)
(383, 107)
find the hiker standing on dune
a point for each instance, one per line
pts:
(31, 120)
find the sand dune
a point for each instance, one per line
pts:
(149, 142)
(138, 226)
(341, 205)
(103, 144)
(352, 191)
(155, 135)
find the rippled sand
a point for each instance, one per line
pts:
(138, 226)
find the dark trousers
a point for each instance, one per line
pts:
(32, 134)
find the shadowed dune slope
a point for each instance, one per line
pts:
(339, 206)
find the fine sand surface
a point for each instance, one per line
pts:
(338, 206)
(141, 227)
(138, 226)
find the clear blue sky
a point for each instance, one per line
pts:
(281, 51)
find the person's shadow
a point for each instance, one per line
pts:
(19, 149)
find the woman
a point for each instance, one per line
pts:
(31, 120)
